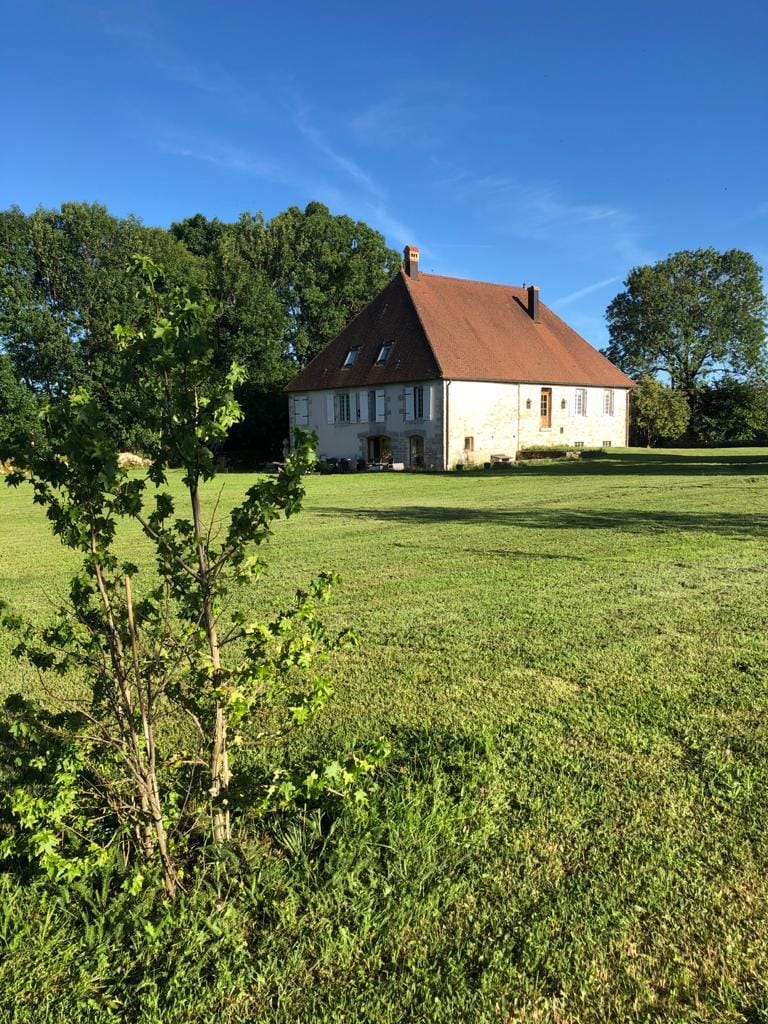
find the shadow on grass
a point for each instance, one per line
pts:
(624, 520)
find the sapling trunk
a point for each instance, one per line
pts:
(219, 758)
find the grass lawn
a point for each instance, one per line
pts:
(571, 661)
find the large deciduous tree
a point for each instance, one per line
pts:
(691, 315)
(65, 284)
(282, 289)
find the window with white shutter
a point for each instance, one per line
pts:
(343, 409)
(380, 406)
(362, 407)
(301, 411)
(409, 403)
(330, 409)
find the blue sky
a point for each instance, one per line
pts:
(555, 143)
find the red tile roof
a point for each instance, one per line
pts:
(459, 330)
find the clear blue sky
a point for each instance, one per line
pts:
(556, 143)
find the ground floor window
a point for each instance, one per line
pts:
(379, 449)
(416, 451)
(469, 444)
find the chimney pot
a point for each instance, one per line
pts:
(411, 261)
(533, 302)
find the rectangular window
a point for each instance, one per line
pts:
(578, 444)
(606, 444)
(351, 357)
(580, 404)
(384, 351)
(342, 409)
(608, 401)
(546, 407)
(469, 444)
(418, 403)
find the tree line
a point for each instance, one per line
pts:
(691, 330)
(282, 287)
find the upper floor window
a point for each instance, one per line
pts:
(581, 402)
(351, 357)
(417, 403)
(343, 409)
(384, 351)
(608, 401)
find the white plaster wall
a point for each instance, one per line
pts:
(593, 429)
(494, 414)
(350, 440)
(486, 412)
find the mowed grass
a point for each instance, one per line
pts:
(571, 661)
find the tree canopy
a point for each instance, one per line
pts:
(691, 315)
(658, 412)
(283, 288)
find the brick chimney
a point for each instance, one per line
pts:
(411, 261)
(533, 302)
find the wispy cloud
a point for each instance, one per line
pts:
(566, 300)
(543, 212)
(229, 158)
(348, 166)
(136, 26)
(366, 195)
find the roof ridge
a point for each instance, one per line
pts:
(473, 280)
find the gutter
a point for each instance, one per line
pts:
(446, 423)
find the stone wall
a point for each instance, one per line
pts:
(485, 414)
(592, 429)
(485, 419)
(350, 440)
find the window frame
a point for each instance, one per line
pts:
(580, 402)
(545, 409)
(350, 358)
(343, 405)
(384, 353)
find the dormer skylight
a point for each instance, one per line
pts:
(384, 351)
(351, 357)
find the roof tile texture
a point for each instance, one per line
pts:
(456, 329)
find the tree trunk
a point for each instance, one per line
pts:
(220, 773)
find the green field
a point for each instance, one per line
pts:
(571, 661)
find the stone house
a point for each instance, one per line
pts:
(438, 371)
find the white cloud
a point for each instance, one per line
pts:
(566, 300)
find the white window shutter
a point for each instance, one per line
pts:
(329, 408)
(362, 404)
(427, 402)
(380, 407)
(300, 413)
(409, 403)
